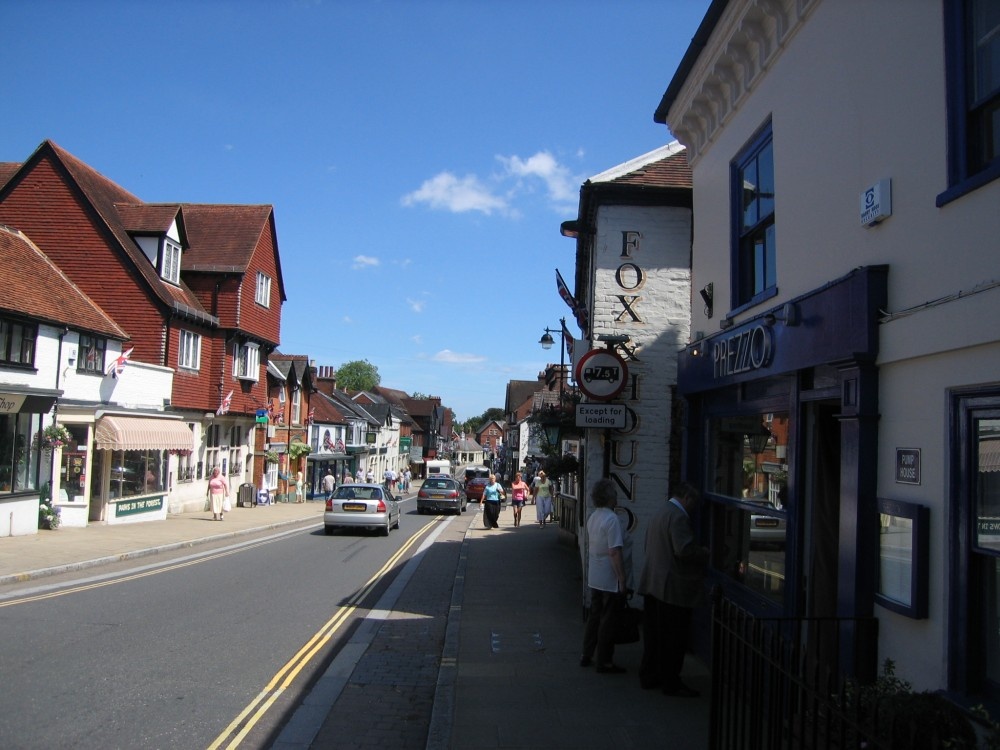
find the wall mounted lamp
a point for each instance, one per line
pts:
(789, 315)
(726, 323)
(708, 293)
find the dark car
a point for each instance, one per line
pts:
(475, 486)
(441, 494)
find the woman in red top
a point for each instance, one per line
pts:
(518, 494)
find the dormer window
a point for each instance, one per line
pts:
(170, 262)
(246, 361)
(263, 289)
(296, 405)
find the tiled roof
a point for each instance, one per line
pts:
(41, 291)
(7, 170)
(145, 217)
(664, 167)
(105, 197)
(327, 410)
(222, 237)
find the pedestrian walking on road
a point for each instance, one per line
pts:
(606, 578)
(671, 583)
(518, 495)
(541, 491)
(218, 492)
(492, 493)
(329, 483)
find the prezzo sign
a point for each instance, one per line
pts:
(742, 352)
(601, 374)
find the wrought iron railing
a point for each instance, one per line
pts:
(784, 682)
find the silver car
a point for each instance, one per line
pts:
(363, 506)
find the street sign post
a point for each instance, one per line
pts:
(608, 416)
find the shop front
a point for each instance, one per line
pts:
(130, 474)
(24, 462)
(782, 419)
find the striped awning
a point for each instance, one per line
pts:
(989, 455)
(120, 433)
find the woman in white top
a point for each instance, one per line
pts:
(541, 490)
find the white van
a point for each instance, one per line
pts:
(439, 467)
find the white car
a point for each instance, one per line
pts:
(766, 529)
(363, 506)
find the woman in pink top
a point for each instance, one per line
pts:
(518, 495)
(218, 490)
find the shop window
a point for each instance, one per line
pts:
(91, 355)
(972, 49)
(17, 342)
(19, 452)
(136, 473)
(212, 443)
(754, 276)
(235, 451)
(185, 467)
(747, 483)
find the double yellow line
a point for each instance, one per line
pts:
(237, 730)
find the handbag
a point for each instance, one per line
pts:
(627, 625)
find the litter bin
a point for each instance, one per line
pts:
(246, 496)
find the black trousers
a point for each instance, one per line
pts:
(664, 642)
(491, 512)
(599, 633)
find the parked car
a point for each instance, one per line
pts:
(442, 494)
(474, 488)
(368, 506)
(766, 529)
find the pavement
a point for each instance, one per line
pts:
(491, 661)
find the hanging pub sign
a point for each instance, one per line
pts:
(601, 374)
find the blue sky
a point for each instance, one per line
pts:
(419, 156)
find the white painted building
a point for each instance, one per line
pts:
(633, 235)
(845, 163)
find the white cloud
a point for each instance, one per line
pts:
(417, 339)
(348, 319)
(446, 355)
(561, 185)
(364, 261)
(458, 195)
(416, 305)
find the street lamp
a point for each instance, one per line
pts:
(547, 343)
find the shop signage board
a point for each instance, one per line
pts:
(139, 505)
(907, 465)
(601, 374)
(609, 416)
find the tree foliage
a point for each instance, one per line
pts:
(358, 375)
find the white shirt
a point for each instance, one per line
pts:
(604, 532)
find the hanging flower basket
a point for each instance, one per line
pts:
(55, 436)
(271, 456)
(297, 450)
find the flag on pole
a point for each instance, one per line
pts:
(568, 338)
(226, 403)
(312, 415)
(564, 292)
(118, 365)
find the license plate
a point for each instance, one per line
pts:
(355, 506)
(769, 522)
(437, 495)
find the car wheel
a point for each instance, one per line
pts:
(384, 531)
(329, 530)
(396, 525)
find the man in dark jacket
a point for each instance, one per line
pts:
(672, 585)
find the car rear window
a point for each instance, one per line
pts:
(437, 484)
(349, 492)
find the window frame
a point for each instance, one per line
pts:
(100, 344)
(296, 405)
(170, 261)
(246, 361)
(189, 352)
(27, 346)
(262, 295)
(742, 262)
(963, 177)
